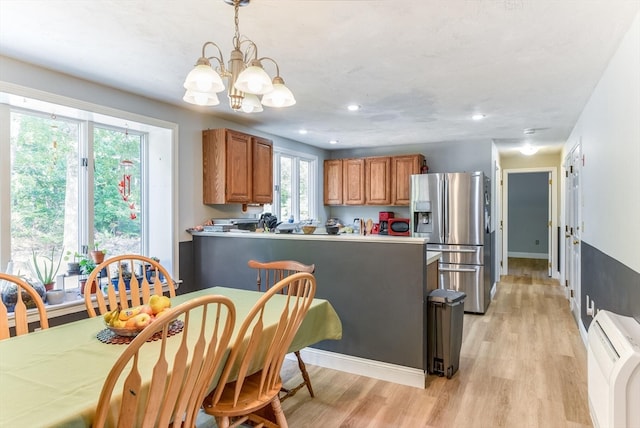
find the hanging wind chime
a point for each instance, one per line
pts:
(124, 186)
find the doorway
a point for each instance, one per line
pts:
(528, 217)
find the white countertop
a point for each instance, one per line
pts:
(319, 237)
(433, 256)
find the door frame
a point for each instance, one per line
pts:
(553, 222)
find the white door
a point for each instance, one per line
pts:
(572, 228)
(550, 226)
(498, 224)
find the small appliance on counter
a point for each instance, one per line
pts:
(383, 219)
(399, 227)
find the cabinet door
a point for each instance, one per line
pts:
(378, 180)
(353, 181)
(402, 168)
(333, 182)
(239, 167)
(213, 166)
(262, 171)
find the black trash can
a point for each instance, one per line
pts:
(445, 315)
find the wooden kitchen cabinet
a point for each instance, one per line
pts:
(381, 180)
(353, 181)
(333, 182)
(378, 180)
(236, 167)
(402, 168)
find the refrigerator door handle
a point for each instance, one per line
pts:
(445, 210)
(443, 269)
(462, 250)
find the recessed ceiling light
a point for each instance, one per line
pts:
(529, 131)
(478, 116)
(303, 131)
(333, 142)
(528, 150)
(353, 107)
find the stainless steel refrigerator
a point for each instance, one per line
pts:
(452, 211)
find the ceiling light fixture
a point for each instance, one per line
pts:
(333, 142)
(478, 116)
(528, 150)
(246, 77)
(353, 107)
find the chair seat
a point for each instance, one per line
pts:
(248, 400)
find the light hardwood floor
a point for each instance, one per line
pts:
(522, 364)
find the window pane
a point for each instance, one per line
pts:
(44, 188)
(305, 207)
(286, 210)
(117, 191)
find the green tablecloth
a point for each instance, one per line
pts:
(54, 377)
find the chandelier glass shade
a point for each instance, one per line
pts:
(245, 75)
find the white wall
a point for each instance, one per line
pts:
(609, 128)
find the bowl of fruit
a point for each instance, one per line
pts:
(131, 321)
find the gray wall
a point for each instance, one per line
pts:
(528, 212)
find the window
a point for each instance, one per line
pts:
(294, 185)
(74, 182)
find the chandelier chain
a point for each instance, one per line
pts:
(236, 37)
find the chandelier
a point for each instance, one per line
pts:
(246, 77)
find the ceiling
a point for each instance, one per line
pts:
(419, 69)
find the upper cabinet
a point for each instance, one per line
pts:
(333, 182)
(236, 167)
(353, 181)
(402, 168)
(382, 180)
(378, 180)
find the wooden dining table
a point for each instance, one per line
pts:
(53, 377)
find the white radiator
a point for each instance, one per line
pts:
(614, 371)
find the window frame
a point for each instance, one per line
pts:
(296, 157)
(162, 162)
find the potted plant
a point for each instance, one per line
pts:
(126, 274)
(73, 267)
(151, 272)
(87, 265)
(97, 254)
(46, 267)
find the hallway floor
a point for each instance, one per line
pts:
(523, 364)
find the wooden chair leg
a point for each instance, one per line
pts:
(305, 375)
(279, 414)
(306, 380)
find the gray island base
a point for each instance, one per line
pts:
(377, 285)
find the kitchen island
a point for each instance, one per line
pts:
(377, 284)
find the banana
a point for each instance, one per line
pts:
(125, 314)
(111, 315)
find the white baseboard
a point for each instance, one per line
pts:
(528, 255)
(494, 288)
(363, 367)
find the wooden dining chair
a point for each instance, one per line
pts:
(268, 274)
(25, 296)
(180, 379)
(257, 356)
(124, 289)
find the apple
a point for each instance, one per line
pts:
(139, 322)
(146, 309)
